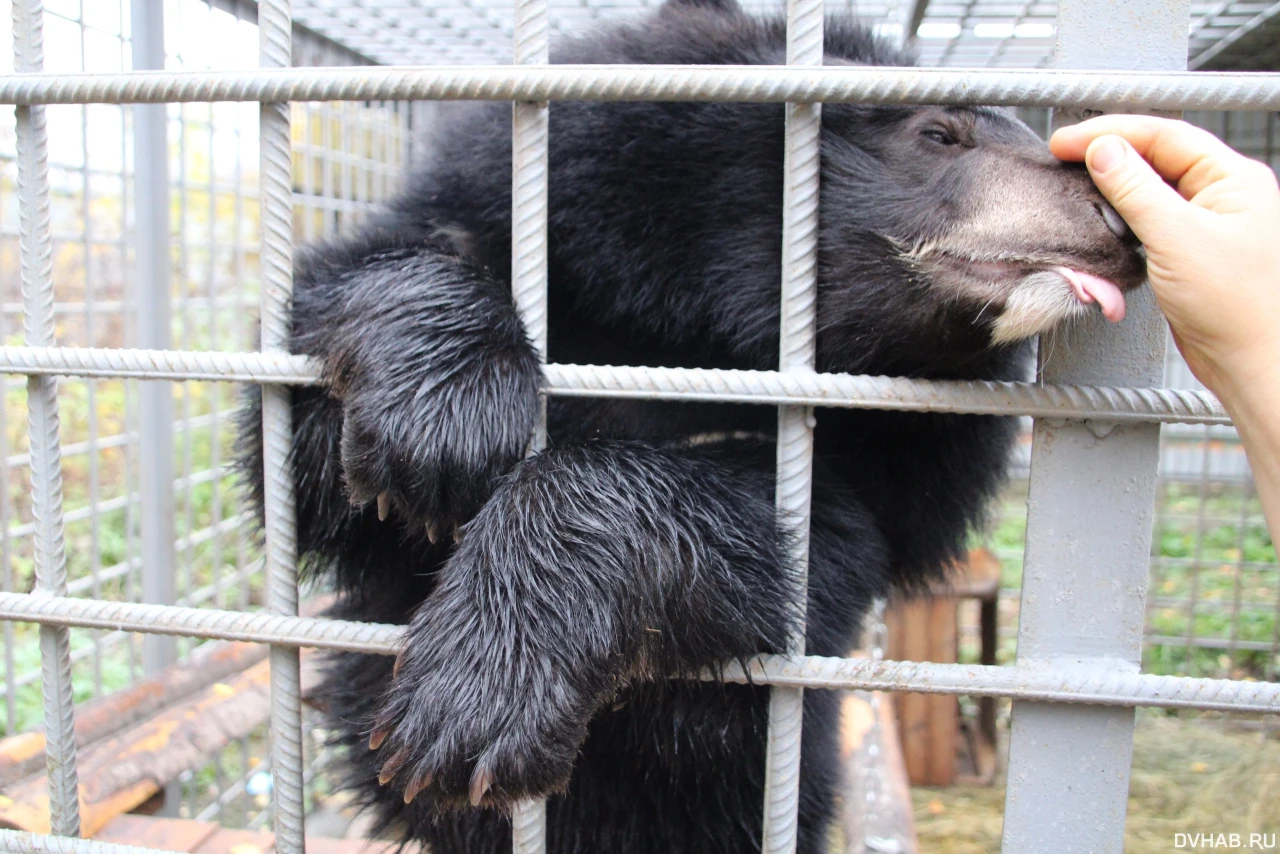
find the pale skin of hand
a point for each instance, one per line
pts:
(1212, 235)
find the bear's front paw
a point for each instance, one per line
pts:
(427, 449)
(474, 718)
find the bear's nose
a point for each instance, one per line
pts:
(1115, 223)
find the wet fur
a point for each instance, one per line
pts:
(584, 574)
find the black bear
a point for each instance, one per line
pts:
(549, 597)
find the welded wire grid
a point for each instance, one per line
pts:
(1089, 686)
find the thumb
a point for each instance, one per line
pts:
(1132, 187)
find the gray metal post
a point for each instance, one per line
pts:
(155, 398)
(1089, 513)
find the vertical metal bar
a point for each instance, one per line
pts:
(91, 386)
(186, 113)
(214, 548)
(328, 211)
(36, 253)
(131, 555)
(6, 555)
(237, 302)
(1089, 514)
(275, 31)
(155, 399)
(1191, 668)
(530, 123)
(801, 170)
(1237, 585)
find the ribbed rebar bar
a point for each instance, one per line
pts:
(530, 128)
(1095, 682)
(793, 485)
(20, 842)
(35, 239)
(750, 83)
(860, 391)
(259, 627)
(276, 367)
(275, 34)
(1181, 406)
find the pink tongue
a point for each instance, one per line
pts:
(1091, 288)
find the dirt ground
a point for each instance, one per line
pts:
(1189, 775)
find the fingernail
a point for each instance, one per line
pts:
(1107, 154)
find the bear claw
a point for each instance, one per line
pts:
(480, 783)
(412, 790)
(384, 506)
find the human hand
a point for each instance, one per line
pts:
(1212, 238)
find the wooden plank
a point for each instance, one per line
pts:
(122, 772)
(167, 834)
(942, 710)
(22, 755)
(924, 629)
(205, 837)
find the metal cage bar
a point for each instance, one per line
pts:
(530, 139)
(20, 842)
(275, 39)
(1060, 682)
(793, 485)
(36, 248)
(1114, 405)
(738, 83)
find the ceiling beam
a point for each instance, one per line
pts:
(918, 10)
(1257, 26)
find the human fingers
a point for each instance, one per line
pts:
(1192, 158)
(1152, 208)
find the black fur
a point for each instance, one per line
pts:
(626, 552)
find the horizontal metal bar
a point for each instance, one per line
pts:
(851, 391)
(690, 384)
(743, 83)
(255, 627)
(21, 842)
(1214, 643)
(159, 364)
(1073, 682)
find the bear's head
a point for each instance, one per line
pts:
(957, 221)
(947, 235)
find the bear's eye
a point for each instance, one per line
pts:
(940, 136)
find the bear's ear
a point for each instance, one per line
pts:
(727, 6)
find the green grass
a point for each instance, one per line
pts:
(112, 539)
(1210, 546)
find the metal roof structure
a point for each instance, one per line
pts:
(1225, 34)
